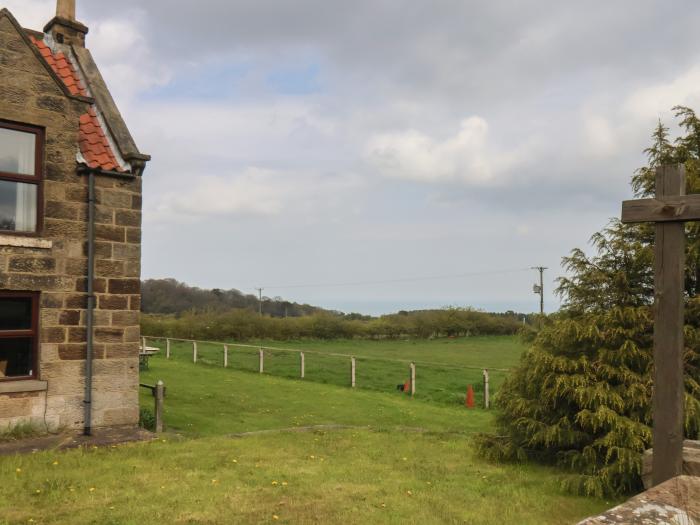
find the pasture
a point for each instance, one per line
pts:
(248, 448)
(444, 367)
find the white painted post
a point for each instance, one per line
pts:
(352, 372)
(486, 388)
(143, 344)
(160, 394)
(225, 356)
(413, 379)
(167, 348)
(194, 351)
(261, 365)
(302, 365)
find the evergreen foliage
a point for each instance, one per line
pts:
(581, 396)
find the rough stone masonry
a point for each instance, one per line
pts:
(49, 81)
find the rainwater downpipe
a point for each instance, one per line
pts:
(91, 172)
(90, 303)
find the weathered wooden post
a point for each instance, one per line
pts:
(143, 344)
(352, 372)
(225, 356)
(167, 348)
(412, 371)
(669, 210)
(302, 365)
(261, 359)
(194, 351)
(160, 395)
(487, 403)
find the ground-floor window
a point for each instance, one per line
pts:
(19, 321)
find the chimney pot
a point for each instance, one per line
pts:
(66, 9)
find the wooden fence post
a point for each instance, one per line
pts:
(261, 365)
(413, 379)
(486, 388)
(194, 351)
(302, 365)
(352, 372)
(160, 394)
(167, 348)
(143, 344)
(225, 356)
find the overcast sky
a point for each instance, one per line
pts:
(321, 142)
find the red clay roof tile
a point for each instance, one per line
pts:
(92, 140)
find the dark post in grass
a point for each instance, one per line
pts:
(670, 209)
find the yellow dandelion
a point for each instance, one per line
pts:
(234, 461)
(428, 482)
(275, 517)
(214, 481)
(111, 508)
(284, 483)
(38, 491)
(409, 493)
(405, 459)
(274, 482)
(18, 470)
(312, 457)
(30, 520)
(383, 505)
(72, 489)
(92, 489)
(55, 463)
(164, 440)
(162, 486)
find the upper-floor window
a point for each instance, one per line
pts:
(21, 153)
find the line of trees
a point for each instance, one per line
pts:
(243, 324)
(168, 296)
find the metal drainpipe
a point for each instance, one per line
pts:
(90, 303)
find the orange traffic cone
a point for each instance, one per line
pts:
(469, 401)
(407, 387)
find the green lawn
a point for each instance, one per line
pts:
(444, 367)
(395, 460)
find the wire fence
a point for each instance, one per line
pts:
(432, 381)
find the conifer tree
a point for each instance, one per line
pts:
(581, 395)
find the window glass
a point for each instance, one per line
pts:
(16, 357)
(17, 152)
(18, 206)
(15, 313)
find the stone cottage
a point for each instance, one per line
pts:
(70, 234)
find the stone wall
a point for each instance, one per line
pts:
(55, 262)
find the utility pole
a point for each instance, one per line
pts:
(539, 288)
(260, 291)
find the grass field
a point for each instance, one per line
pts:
(389, 459)
(444, 367)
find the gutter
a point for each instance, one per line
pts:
(90, 320)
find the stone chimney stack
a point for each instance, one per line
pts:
(66, 9)
(64, 28)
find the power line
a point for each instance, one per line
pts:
(400, 280)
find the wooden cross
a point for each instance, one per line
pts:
(670, 209)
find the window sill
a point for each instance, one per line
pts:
(16, 387)
(25, 242)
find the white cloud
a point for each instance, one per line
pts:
(254, 191)
(468, 157)
(656, 100)
(600, 138)
(124, 56)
